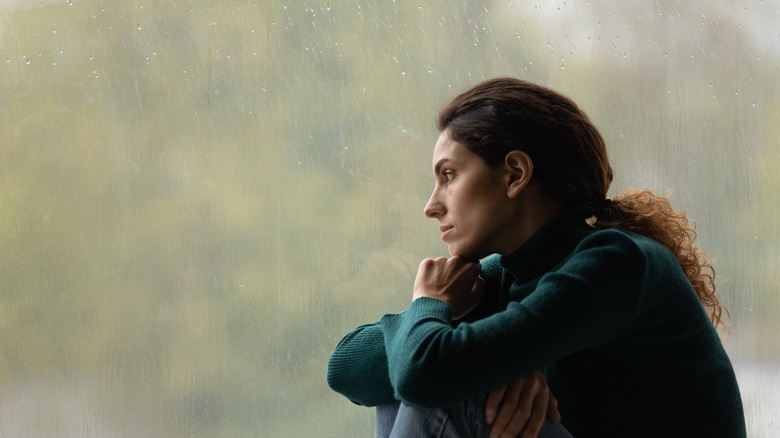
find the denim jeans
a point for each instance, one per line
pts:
(461, 420)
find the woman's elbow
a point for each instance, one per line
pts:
(339, 376)
(335, 381)
(345, 386)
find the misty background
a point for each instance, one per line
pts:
(198, 199)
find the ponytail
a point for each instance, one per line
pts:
(642, 212)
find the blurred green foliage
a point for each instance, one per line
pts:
(199, 198)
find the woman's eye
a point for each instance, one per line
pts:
(448, 175)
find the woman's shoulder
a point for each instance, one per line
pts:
(629, 242)
(619, 236)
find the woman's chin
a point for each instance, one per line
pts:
(465, 254)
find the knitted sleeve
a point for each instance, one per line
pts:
(357, 368)
(580, 304)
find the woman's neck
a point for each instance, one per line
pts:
(534, 209)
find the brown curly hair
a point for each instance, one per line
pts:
(570, 161)
(651, 215)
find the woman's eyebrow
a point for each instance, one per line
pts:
(438, 165)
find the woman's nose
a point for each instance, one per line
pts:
(433, 208)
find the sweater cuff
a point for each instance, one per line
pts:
(420, 310)
(426, 307)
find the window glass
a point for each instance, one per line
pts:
(199, 198)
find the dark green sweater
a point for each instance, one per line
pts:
(609, 316)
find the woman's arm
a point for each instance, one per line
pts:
(579, 305)
(357, 368)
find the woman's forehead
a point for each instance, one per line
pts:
(445, 151)
(448, 150)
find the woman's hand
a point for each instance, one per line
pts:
(524, 405)
(454, 281)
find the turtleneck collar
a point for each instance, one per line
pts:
(551, 243)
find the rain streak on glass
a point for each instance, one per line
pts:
(197, 199)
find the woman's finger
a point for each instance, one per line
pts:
(552, 409)
(493, 400)
(538, 413)
(515, 407)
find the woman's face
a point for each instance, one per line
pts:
(470, 201)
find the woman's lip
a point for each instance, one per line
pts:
(445, 229)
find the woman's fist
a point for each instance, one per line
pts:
(454, 281)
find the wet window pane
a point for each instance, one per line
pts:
(199, 198)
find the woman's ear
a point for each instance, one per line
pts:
(519, 169)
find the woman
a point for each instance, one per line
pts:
(610, 299)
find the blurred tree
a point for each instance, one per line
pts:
(197, 199)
